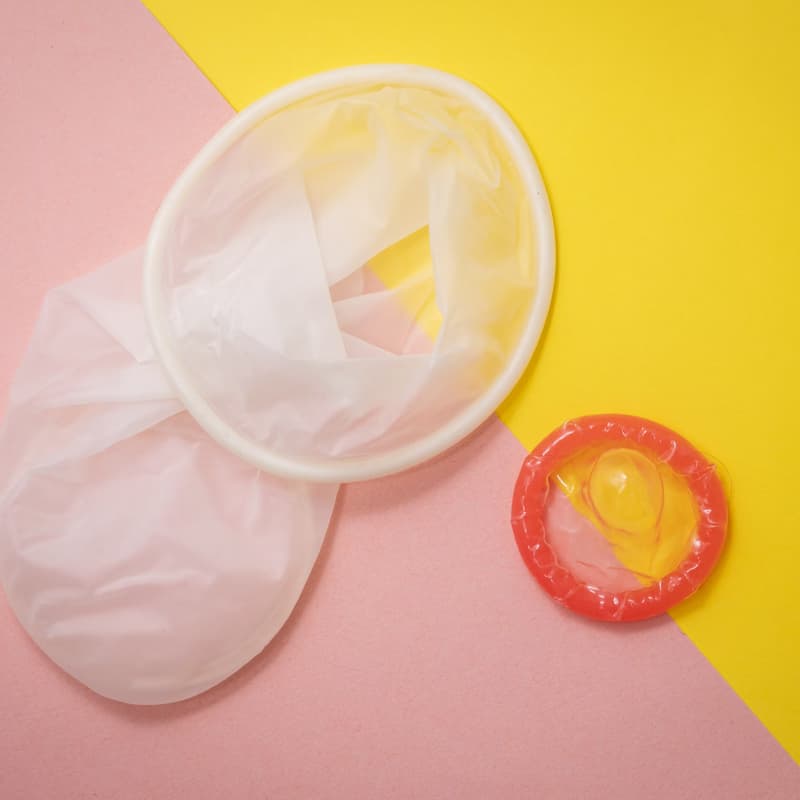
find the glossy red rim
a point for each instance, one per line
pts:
(530, 499)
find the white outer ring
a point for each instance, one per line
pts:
(340, 470)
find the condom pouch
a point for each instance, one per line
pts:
(346, 281)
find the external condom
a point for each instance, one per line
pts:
(618, 518)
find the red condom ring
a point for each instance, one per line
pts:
(530, 502)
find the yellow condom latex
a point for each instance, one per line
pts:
(641, 506)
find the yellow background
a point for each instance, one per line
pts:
(668, 136)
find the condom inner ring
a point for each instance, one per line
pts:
(530, 503)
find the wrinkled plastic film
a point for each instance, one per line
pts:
(142, 557)
(307, 259)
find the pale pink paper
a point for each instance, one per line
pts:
(423, 661)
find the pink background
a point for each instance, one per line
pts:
(422, 660)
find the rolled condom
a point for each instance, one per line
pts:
(346, 280)
(618, 517)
